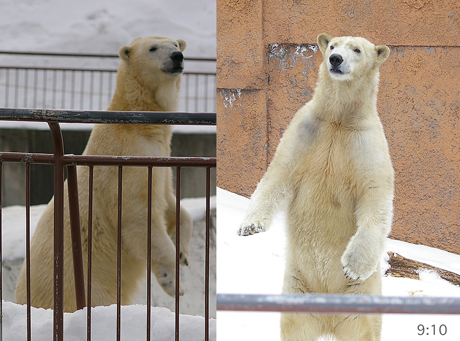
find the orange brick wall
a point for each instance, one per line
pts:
(267, 69)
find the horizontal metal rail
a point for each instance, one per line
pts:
(107, 160)
(94, 116)
(339, 304)
(89, 55)
(114, 70)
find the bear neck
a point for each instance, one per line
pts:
(346, 102)
(132, 95)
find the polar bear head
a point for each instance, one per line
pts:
(149, 75)
(347, 58)
(153, 59)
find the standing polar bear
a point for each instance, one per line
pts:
(148, 79)
(332, 171)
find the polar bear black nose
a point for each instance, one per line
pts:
(335, 60)
(177, 57)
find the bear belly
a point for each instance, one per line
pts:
(320, 223)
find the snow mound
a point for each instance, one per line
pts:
(104, 323)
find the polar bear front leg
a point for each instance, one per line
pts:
(186, 228)
(273, 191)
(164, 261)
(269, 195)
(186, 221)
(374, 215)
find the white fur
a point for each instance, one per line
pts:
(142, 85)
(333, 173)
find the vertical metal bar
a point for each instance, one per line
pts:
(29, 323)
(101, 83)
(82, 89)
(1, 253)
(186, 91)
(177, 249)
(7, 87)
(26, 87)
(53, 105)
(63, 90)
(90, 249)
(110, 87)
(120, 204)
(35, 88)
(72, 90)
(16, 90)
(58, 317)
(149, 250)
(74, 212)
(206, 271)
(45, 79)
(91, 88)
(206, 93)
(196, 92)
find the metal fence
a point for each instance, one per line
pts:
(61, 161)
(90, 88)
(339, 304)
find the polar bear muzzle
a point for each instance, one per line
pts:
(336, 60)
(175, 64)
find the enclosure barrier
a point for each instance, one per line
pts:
(339, 304)
(90, 88)
(60, 161)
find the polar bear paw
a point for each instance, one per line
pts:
(357, 267)
(169, 285)
(247, 230)
(183, 258)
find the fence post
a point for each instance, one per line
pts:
(178, 173)
(77, 254)
(58, 313)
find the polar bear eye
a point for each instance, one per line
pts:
(357, 50)
(153, 49)
(332, 47)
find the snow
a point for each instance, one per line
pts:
(104, 318)
(255, 265)
(104, 324)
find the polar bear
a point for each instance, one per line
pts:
(333, 174)
(148, 79)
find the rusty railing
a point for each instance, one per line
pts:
(62, 161)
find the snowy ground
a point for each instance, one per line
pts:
(104, 324)
(255, 265)
(104, 318)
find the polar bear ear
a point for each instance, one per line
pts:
(124, 52)
(382, 53)
(323, 41)
(182, 44)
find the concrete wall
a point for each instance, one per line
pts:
(41, 178)
(267, 65)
